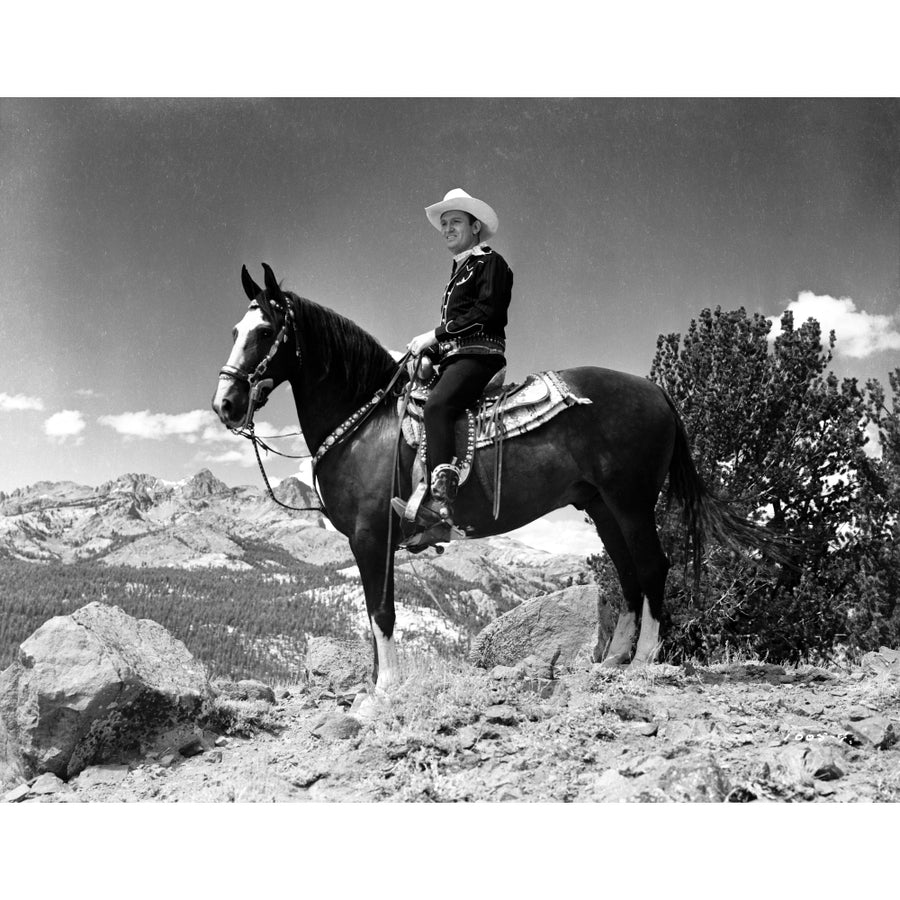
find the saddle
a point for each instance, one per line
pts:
(503, 413)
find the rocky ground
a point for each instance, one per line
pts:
(742, 732)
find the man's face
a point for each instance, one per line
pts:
(458, 231)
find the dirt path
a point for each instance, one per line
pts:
(742, 732)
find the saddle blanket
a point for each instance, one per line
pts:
(512, 411)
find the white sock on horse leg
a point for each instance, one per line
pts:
(388, 664)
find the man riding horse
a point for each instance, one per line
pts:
(469, 344)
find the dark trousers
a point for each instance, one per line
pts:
(463, 380)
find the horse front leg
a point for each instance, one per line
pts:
(376, 569)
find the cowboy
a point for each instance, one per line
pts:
(470, 341)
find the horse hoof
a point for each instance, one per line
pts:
(367, 707)
(642, 662)
(614, 662)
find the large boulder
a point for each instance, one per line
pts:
(89, 688)
(333, 665)
(559, 626)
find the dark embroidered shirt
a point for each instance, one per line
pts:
(477, 297)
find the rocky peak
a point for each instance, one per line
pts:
(130, 483)
(203, 485)
(295, 493)
(41, 495)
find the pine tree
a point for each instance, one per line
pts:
(779, 436)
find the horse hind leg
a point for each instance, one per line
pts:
(632, 541)
(620, 648)
(653, 568)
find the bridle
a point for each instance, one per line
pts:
(257, 384)
(254, 380)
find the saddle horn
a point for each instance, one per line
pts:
(251, 288)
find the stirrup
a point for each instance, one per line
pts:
(444, 486)
(416, 514)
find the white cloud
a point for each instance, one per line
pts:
(68, 423)
(241, 457)
(858, 333)
(188, 427)
(241, 451)
(10, 402)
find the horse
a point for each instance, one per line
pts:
(609, 458)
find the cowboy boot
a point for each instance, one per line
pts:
(444, 485)
(424, 510)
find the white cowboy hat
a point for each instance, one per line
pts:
(459, 199)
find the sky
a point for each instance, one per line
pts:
(124, 224)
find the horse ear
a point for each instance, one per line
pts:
(272, 284)
(251, 288)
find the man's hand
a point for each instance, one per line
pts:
(421, 342)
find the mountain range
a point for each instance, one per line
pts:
(200, 524)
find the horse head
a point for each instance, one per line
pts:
(255, 366)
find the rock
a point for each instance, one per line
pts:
(882, 661)
(814, 673)
(681, 730)
(629, 710)
(536, 667)
(808, 762)
(825, 788)
(48, 783)
(214, 756)
(875, 730)
(501, 714)
(17, 794)
(561, 625)
(750, 671)
(647, 729)
(171, 740)
(167, 760)
(193, 747)
(505, 673)
(89, 687)
(613, 785)
(336, 727)
(304, 778)
(696, 780)
(107, 776)
(335, 666)
(221, 741)
(247, 689)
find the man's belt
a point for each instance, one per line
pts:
(475, 344)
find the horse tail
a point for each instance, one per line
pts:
(706, 515)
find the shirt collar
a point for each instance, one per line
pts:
(477, 250)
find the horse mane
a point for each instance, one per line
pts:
(341, 347)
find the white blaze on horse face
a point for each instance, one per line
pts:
(227, 387)
(388, 664)
(252, 320)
